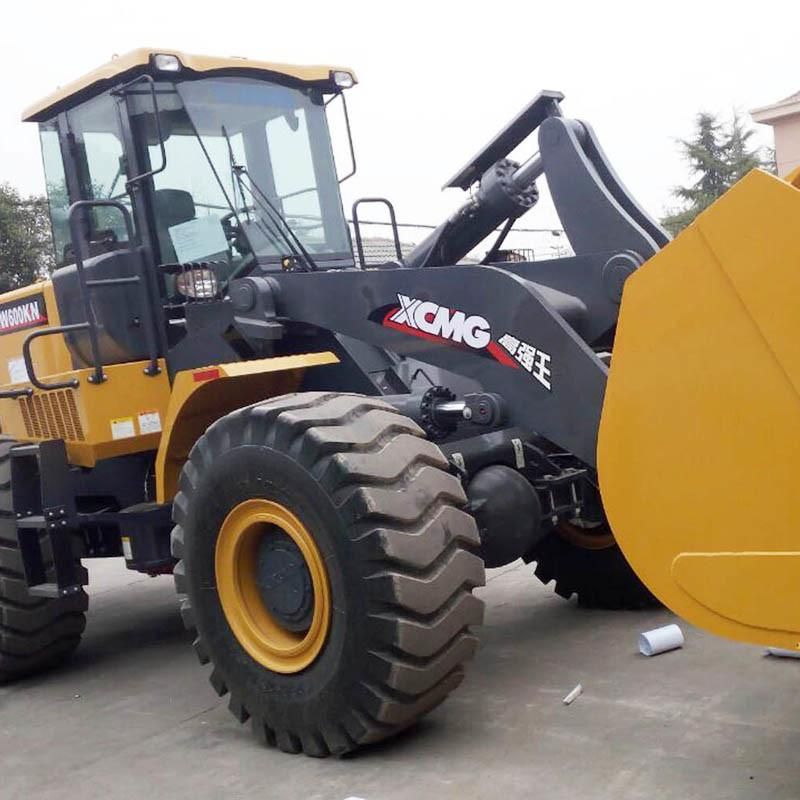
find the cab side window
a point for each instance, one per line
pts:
(95, 135)
(57, 194)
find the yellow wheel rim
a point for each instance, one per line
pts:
(258, 631)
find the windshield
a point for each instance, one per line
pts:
(245, 159)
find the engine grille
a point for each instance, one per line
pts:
(52, 415)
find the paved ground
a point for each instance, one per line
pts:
(133, 716)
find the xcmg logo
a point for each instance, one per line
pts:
(440, 321)
(451, 326)
(429, 320)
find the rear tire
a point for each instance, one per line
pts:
(600, 577)
(35, 632)
(384, 515)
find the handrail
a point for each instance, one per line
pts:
(157, 117)
(353, 165)
(12, 394)
(141, 277)
(357, 227)
(84, 287)
(75, 232)
(72, 383)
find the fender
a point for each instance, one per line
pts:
(202, 396)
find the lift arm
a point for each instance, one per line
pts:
(597, 211)
(483, 323)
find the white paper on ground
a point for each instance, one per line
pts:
(781, 652)
(660, 640)
(573, 695)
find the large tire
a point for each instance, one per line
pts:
(385, 515)
(35, 632)
(599, 576)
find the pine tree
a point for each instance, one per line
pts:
(741, 159)
(719, 154)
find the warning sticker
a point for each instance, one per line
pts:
(149, 422)
(17, 371)
(122, 428)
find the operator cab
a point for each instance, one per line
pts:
(225, 167)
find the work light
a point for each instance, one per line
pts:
(164, 62)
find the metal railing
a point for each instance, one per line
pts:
(374, 247)
(84, 287)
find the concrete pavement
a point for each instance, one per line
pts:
(133, 716)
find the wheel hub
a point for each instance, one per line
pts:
(284, 581)
(272, 585)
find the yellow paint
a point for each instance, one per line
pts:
(196, 404)
(235, 559)
(83, 416)
(136, 61)
(699, 445)
(732, 585)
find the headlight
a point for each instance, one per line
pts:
(199, 284)
(164, 62)
(344, 80)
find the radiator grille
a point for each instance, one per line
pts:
(52, 415)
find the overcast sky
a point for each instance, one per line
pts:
(438, 78)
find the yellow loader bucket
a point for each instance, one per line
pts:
(699, 446)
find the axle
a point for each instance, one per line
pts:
(439, 413)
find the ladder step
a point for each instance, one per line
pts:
(34, 521)
(21, 450)
(51, 590)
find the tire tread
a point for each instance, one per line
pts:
(402, 511)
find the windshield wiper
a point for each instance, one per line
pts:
(236, 177)
(279, 225)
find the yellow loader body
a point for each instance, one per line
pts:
(699, 445)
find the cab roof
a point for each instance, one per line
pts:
(141, 62)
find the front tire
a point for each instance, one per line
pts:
(348, 487)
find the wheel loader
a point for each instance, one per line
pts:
(326, 453)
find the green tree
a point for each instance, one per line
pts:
(25, 243)
(740, 157)
(771, 161)
(718, 155)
